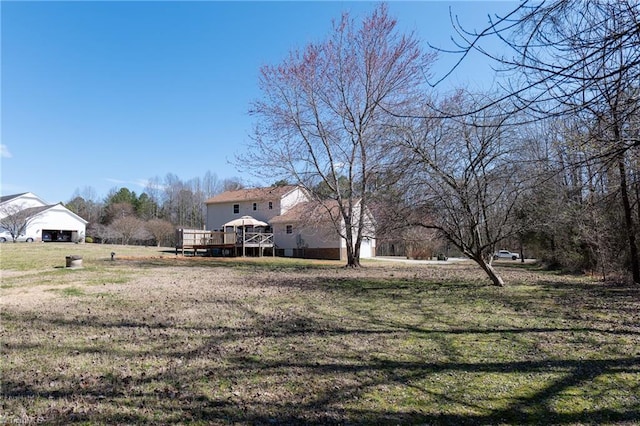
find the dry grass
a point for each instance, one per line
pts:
(151, 338)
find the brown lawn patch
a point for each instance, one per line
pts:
(156, 339)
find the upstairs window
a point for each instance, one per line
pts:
(289, 229)
(255, 206)
(270, 205)
(236, 208)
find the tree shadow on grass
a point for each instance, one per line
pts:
(318, 388)
(179, 406)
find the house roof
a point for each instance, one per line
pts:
(5, 198)
(314, 212)
(26, 195)
(252, 194)
(309, 211)
(32, 211)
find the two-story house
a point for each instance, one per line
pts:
(301, 228)
(260, 203)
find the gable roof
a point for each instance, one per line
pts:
(308, 211)
(315, 212)
(5, 198)
(26, 195)
(33, 211)
(252, 194)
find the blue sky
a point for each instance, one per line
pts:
(109, 94)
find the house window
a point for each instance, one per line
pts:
(270, 205)
(236, 208)
(289, 229)
(255, 206)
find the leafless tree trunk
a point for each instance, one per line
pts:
(463, 178)
(323, 112)
(161, 230)
(129, 229)
(573, 58)
(15, 218)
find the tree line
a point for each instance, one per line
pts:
(152, 216)
(547, 162)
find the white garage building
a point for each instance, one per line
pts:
(45, 222)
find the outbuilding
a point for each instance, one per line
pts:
(44, 222)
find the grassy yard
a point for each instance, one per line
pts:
(151, 338)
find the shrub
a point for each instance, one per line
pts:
(88, 240)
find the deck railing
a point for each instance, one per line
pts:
(191, 238)
(263, 239)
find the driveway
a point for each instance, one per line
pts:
(418, 261)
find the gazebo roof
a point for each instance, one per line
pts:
(245, 221)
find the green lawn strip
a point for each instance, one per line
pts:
(320, 346)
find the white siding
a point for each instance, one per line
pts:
(305, 237)
(220, 213)
(291, 199)
(56, 218)
(24, 201)
(368, 248)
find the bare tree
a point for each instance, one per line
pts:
(129, 229)
(572, 215)
(85, 204)
(161, 230)
(153, 189)
(103, 233)
(183, 202)
(15, 218)
(232, 184)
(579, 59)
(211, 185)
(171, 186)
(422, 243)
(117, 211)
(324, 109)
(462, 178)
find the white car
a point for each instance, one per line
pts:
(506, 254)
(6, 236)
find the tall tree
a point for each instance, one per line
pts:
(119, 203)
(85, 204)
(116, 211)
(211, 185)
(323, 110)
(577, 58)
(122, 195)
(146, 207)
(463, 178)
(153, 189)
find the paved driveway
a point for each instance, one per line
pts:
(416, 261)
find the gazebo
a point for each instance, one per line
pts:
(250, 232)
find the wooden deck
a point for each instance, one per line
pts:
(230, 243)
